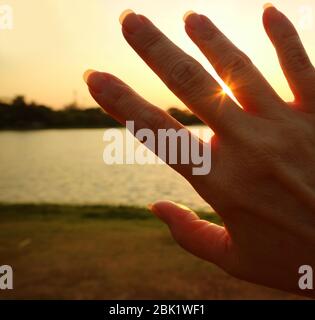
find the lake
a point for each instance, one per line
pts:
(67, 167)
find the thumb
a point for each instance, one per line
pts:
(200, 237)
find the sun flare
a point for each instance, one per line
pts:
(226, 90)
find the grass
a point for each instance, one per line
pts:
(107, 252)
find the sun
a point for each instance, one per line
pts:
(226, 91)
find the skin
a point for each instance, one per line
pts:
(262, 180)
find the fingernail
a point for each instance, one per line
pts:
(86, 74)
(193, 20)
(268, 5)
(151, 207)
(124, 14)
(273, 12)
(183, 207)
(97, 81)
(130, 21)
(187, 14)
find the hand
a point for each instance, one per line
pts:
(262, 181)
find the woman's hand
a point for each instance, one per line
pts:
(262, 181)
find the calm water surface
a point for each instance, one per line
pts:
(66, 166)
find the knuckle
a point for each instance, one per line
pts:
(123, 101)
(153, 42)
(232, 64)
(185, 75)
(295, 56)
(121, 96)
(212, 34)
(299, 138)
(155, 119)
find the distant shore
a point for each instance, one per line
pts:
(19, 115)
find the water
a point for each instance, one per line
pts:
(66, 167)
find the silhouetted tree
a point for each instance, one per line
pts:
(19, 102)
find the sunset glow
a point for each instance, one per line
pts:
(54, 41)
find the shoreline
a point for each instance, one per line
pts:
(88, 211)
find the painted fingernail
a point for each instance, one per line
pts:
(193, 20)
(97, 81)
(130, 21)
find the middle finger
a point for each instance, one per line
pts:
(181, 73)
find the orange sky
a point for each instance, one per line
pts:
(54, 41)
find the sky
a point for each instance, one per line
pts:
(52, 42)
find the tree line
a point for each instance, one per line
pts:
(20, 115)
